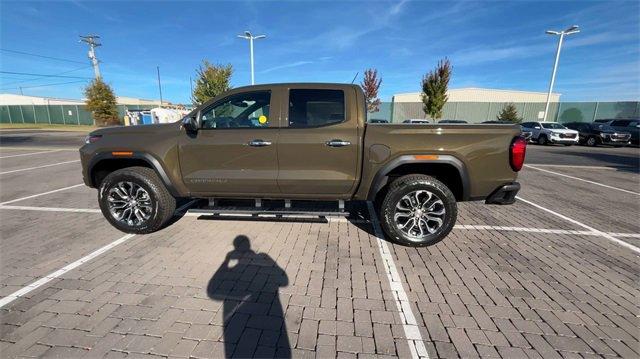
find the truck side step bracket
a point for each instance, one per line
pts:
(273, 207)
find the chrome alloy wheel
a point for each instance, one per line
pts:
(419, 214)
(129, 203)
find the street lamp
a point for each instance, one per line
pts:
(572, 30)
(247, 35)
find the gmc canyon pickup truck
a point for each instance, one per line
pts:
(284, 143)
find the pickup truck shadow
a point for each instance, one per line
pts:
(247, 283)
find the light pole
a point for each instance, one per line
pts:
(247, 35)
(572, 30)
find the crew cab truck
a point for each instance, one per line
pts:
(284, 143)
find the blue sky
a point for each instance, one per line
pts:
(490, 44)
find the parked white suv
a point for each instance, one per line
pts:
(550, 132)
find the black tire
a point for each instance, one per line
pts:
(542, 140)
(163, 204)
(405, 185)
(591, 141)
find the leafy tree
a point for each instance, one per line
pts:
(434, 89)
(211, 80)
(101, 101)
(509, 113)
(370, 85)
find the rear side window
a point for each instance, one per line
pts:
(313, 108)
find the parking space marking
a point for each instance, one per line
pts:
(595, 231)
(481, 227)
(29, 154)
(37, 167)
(409, 323)
(41, 194)
(48, 278)
(583, 180)
(28, 148)
(577, 166)
(51, 209)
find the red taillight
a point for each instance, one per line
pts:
(516, 153)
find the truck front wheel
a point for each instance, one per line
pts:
(134, 200)
(418, 210)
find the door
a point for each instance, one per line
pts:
(234, 151)
(319, 145)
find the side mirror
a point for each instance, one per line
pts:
(190, 124)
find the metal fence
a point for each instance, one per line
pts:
(396, 112)
(476, 112)
(56, 114)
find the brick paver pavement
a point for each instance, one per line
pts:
(219, 287)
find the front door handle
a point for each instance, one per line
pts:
(259, 143)
(337, 143)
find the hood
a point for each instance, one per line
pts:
(115, 130)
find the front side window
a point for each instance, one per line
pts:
(244, 110)
(313, 108)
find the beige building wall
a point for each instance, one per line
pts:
(472, 94)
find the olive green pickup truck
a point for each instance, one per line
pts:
(301, 148)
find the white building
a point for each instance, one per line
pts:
(13, 99)
(474, 94)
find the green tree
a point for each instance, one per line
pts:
(101, 101)
(211, 80)
(434, 89)
(509, 113)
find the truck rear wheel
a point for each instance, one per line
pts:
(418, 210)
(134, 200)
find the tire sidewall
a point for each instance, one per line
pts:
(592, 142)
(388, 209)
(141, 181)
(542, 140)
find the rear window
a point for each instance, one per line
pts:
(313, 108)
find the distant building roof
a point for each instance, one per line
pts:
(13, 99)
(474, 94)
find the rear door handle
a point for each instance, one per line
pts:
(259, 143)
(337, 143)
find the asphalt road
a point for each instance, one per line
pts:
(554, 275)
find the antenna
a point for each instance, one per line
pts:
(354, 77)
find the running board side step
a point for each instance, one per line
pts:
(274, 207)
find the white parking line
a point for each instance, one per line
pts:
(583, 180)
(48, 278)
(41, 194)
(409, 323)
(51, 209)
(595, 231)
(29, 154)
(37, 167)
(577, 166)
(480, 227)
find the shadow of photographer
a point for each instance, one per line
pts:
(247, 283)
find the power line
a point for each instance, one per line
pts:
(52, 75)
(42, 56)
(43, 75)
(44, 85)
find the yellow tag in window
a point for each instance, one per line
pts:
(262, 119)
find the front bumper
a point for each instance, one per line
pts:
(556, 139)
(505, 194)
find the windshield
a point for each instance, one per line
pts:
(553, 126)
(605, 128)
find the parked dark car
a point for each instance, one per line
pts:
(594, 134)
(498, 122)
(452, 121)
(632, 126)
(378, 120)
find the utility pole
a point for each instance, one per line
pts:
(247, 35)
(572, 30)
(91, 40)
(159, 85)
